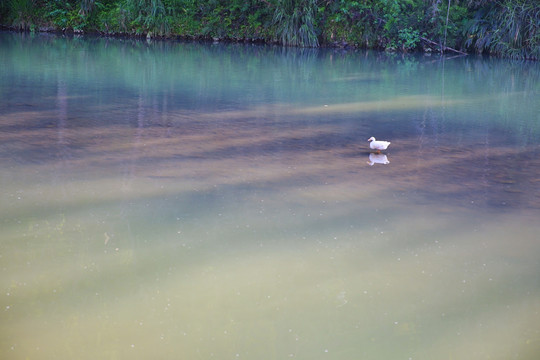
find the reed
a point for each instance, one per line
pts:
(509, 28)
(22, 13)
(295, 22)
(149, 16)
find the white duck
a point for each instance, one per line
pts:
(378, 145)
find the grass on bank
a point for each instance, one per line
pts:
(507, 28)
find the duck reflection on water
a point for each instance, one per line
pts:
(378, 159)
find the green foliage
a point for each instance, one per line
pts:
(111, 20)
(444, 23)
(350, 22)
(87, 6)
(148, 16)
(408, 38)
(75, 15)
(64, 15)
(21, 13)
(503, 27)
(509, 28)
(186, 22)
(295, 22)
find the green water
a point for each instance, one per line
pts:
(208, 201)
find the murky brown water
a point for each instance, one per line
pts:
(204, 201)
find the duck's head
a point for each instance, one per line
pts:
(371, 139)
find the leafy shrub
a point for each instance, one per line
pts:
(351, 22)
(408, 38)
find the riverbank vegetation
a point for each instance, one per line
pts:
(508, 28)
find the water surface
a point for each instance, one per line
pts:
(198, 201)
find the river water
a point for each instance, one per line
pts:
(173, 200)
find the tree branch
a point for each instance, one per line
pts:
(442, 47)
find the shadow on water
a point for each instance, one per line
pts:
(257, 155)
